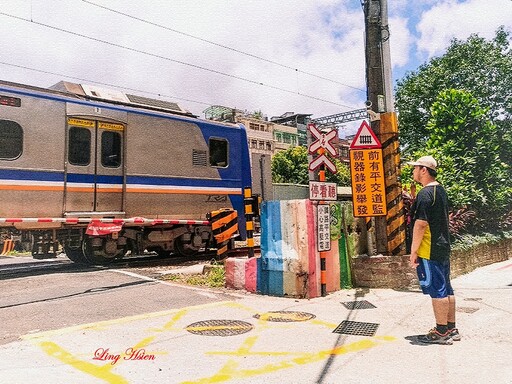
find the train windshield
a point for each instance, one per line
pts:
(218, 152)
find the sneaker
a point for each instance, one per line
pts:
(454, 334)
(434, 337)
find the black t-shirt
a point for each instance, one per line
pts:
(431, 205)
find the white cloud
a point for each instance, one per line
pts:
(401, 41)
(452, 19)
(324, 38)
(320, 37)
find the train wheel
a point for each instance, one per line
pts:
(103, 254)
(76, 255)
(181, 248)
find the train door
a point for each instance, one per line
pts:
(94, 178)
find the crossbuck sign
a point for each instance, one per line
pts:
(322, 140)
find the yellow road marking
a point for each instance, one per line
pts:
(101, 372)
(229, 371)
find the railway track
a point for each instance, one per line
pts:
(12, 267)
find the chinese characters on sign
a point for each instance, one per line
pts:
(319, 190)
(368, 187)
(324, 227)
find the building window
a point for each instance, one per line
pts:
(11, 140)
(79, 147)
(218, 152)
(269, 146)
(111, 149)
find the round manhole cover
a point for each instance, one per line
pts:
(285, 316)
(219, 327)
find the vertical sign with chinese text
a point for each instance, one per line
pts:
(324, 227)
(368, 186)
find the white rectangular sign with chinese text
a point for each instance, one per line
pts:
(324, 227)
(319, 190)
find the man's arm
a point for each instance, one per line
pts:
(418, 231)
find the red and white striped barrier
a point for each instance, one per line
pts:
(87, 220)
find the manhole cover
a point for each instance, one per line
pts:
(356, 328)
(284, 316)
(219, 327)
(472, 299)
(363, 304)
(467, 309)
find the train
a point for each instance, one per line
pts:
(99, 173)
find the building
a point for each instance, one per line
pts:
(297, 120)
(285, 137)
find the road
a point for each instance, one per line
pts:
(57, 293)
(121, 326)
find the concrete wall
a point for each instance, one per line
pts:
(394, 271)
(287, 191)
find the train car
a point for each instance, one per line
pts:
(99, 173)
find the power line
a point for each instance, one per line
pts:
(173, 60)
(101, 83)
(219, 45)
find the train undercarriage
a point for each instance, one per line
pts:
(100, 241)
(84, 248)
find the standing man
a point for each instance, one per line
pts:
(430, 250)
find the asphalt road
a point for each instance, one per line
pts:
(59, 294)
(118, 326)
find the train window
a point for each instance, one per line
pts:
(218, 152)
(111, 149)
(11, 140)
(79, 149)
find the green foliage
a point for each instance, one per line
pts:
(458, 108)
(481, 67)
(464, 139)
(467, 241)
(291, 166)
(342, 175)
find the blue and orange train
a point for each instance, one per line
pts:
(99, 172)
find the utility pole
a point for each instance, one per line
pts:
(389, 230)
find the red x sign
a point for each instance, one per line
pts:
(323, 140)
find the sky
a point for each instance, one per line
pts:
(302, 56)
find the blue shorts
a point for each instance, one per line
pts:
(434, 277)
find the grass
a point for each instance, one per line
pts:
(213, 278)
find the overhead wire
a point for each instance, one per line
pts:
(172, 60)
(220, 45)
(102, 83)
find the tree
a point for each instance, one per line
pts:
(291, 166)
(481, 67)
(466, 144)
(458, 108)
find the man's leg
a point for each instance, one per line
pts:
(441, 310)
(451, 310)
(440, 334)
